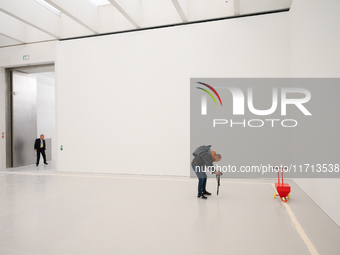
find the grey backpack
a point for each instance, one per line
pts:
(203, 155)
(200, 150)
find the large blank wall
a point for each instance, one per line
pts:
(315, 52)
(123, 100)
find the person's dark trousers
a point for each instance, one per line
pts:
(202, 179)
(42, 151)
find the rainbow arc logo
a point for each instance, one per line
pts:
(209, 93)
(212, 89)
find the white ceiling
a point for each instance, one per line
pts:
(27, 21)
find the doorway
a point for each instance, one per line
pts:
(30, 112)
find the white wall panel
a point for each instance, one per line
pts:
(315, 39)
(123, 100)
(315, 52)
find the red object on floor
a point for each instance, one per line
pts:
(283, 189)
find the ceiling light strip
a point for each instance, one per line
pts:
(49, 7)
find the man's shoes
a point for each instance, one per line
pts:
(46, 163)
(206, 193)
(37, 164)
(202, 196)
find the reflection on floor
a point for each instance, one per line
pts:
(47, 212)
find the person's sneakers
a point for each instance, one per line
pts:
(46, 163)
(37, 164)
(202, 196)
(206, 193)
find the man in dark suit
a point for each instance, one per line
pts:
(40, 147)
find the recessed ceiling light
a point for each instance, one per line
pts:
(97, 3)
(48, 6)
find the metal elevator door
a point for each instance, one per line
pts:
(24, 118)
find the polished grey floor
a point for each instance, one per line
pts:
(48, 212)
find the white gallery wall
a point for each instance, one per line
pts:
(315, 52)
(315, 38)
(123, 100)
